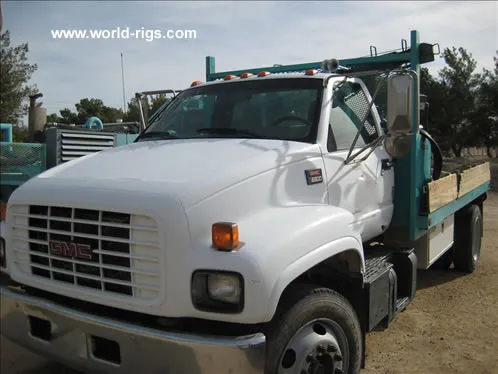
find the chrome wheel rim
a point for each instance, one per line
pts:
(319, 347)
(476, 240)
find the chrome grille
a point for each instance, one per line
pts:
(101, 250)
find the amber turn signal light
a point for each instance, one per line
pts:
(225, 235)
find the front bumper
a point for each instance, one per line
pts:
(93, 343)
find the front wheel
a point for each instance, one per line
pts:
(315, 330)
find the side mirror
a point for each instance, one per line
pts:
(399, 114)
(400, 103)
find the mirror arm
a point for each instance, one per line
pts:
(370, 105)
(146, 111)
(138, 97)
(351, 158)
(354, 75)
(374, 144)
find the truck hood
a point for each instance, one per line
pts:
(191, 169)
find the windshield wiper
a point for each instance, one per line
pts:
(157, 135)
(227, 130)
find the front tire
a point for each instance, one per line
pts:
(315, 330)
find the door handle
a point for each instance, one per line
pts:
(387, 164)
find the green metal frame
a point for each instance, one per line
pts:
(412, 171)
(382, 62)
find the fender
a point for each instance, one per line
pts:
(3, 227)
(313, 258)
(287, 241)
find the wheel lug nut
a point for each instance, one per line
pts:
(338, 357)
(321, 348)
(310, 358)
(331, 348)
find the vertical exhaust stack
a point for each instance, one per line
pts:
(37, 117)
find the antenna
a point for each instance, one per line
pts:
(1, 16)
(122, 78)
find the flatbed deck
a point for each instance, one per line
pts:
(459, 177)
(460, 164)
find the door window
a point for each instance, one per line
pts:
(349, 107)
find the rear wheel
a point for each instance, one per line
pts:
(315, 330)
(468, 235)
(444, 262)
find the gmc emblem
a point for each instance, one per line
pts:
(69, 249)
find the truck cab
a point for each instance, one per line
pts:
(306, 124)
(263, 222)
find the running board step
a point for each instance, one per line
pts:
(402, 303)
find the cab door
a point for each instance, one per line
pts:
(365, 185)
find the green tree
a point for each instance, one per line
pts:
(463, 103)
(153, 103)
(434, 89)
(486, 115)
(19, 134)
(133, 112)
(111, 115)
(15, 73)
(157, 101)
(52, 118)
(85, 109)
(68, 117)
(458, 89)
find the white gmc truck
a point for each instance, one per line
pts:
(263, 222)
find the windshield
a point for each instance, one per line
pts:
(286, 109)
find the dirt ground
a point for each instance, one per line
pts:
(450, 327)
(452, 324)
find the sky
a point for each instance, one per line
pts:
(239, 34)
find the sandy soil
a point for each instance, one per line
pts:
(450, 327)
(452, 324)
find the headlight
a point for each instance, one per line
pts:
(218, 291)
(224, 287)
